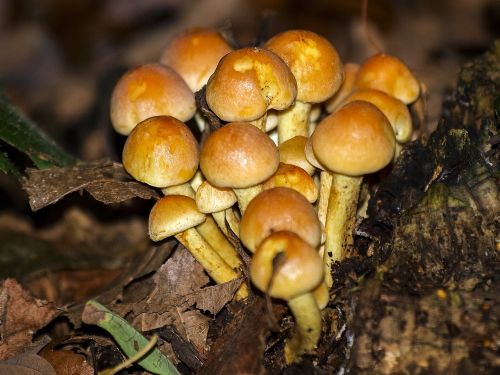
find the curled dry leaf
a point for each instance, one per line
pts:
(22, 315)
(27, 364)
(66, 362)
(179, 285)
(106, 181)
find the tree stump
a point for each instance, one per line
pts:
(422, 296)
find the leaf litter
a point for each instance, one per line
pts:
(106, 181)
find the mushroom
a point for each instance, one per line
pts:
(354, 141)
(292, 151)
(239, 156)
(177, 215)
(347, 87)
(317, 69)
(287, 267)
(209, 229)
(194, 54)
(388, 74)
(147, 91)
(394, 109)
(276, 209)
(247, 83)
(293, 177)
(161, 151)
(215, 201)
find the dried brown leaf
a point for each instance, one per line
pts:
(179, 285)
(21, 316)
(66, 362)
(27, 364)
(230, 354)
(214, 298)
(106, 181)
(196, 326)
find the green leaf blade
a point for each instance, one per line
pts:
(21, 133)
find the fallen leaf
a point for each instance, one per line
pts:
(179, 285)
(239, 349)
(22, 315)
(66, 362)
(27, 364)
(214, 298)
(106, 181)
(196, 326)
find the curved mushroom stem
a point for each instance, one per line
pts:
(293, 121)
(220, 219)
(211, 232)
(233, 220)
(246, 195)
(215, 266)
(307, 327)
(340, 219)
(325, 185)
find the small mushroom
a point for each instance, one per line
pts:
(394, 109)
(347, 87)
(239, 156)
(247, 83)
(388, 74)
(292, 151)
(276, 209)
(215, 201)
(177, 215)
(209, 229)
(161, 151)
(287, 267)
(147, 91)
(353, 141)
(194, 54)
(295, 178)
(318, 71)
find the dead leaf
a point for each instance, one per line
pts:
(196, 326)
(214, 298)
(106, 181)
(21, 316)
(66, 362)
(179, 285)
(230, 354)
(136, 269)
(71, 286)
(27, 364)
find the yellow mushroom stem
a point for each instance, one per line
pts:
(307, 327)
(340, 220)
(293, 121)
(210, 260)
(233, 220)
(245, 196)
(325, 185)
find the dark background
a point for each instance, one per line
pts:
(59, 59)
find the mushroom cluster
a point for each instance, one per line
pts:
(285, 184)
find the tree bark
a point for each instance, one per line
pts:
(422, 294)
